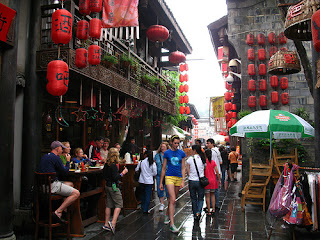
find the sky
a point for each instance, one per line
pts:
(205, 78)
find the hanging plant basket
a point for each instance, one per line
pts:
(284, 62)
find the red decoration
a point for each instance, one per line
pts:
(187, 109)
(181, 110)
(227, 139)
(181, 99)
(177, 57)
(183, 67)
(84, 7)
(228, 117)
(263, 100)
(251, 70)
(252, 85)
(250, 54)
(262, 85)
(282, 38)
(250, 39)
(252, 101)
(185, 99)
(233, 121)
(229, 124)
(95, 6)
(224, 67)
(7, 15)
(227, 107)
(82, 30)
(274, 97)
(261, 39)
(283, 49)
(61, 30)
(223, 133)
(272, 38)
(228, 86)
(284, 98)
(272, 51)
(157, 33)
(284, 83)
(234, 107)
(262, 69)
(81, 58)
(289, 58)
(186, 88)
(95, 28)
(315, 27)
(57, 77)
(274, 81)
(94, 55)
(227, 96)
(181, 88)
(262, 54)
(181, 78)
(233, 114)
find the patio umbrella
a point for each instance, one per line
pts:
(272, 123)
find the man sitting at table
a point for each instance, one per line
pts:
(50, 163)
(93, 149)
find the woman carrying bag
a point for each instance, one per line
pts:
(195, 171)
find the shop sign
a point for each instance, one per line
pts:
(6, 16)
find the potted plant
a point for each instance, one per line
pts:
(126, 61)
(148, 79)
(163, 87)
(108, 60)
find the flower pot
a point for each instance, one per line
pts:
(107, 64)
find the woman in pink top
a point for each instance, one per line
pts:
(210, 173)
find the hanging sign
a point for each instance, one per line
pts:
(218, 107)
(6, 16)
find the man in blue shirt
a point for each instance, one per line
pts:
(50, 163)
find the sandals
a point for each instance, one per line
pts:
(104, 227)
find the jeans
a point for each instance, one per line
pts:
(161, 192)
(196, 195)
(216, 194)
(223, 170)
(146, 191)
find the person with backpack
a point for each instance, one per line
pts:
(195, 170)
(233, 157)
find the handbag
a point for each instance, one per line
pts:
(137, 174)
(204, 181)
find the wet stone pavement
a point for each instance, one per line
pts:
(229, 222)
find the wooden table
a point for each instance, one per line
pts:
(128, 194)
(77, 223)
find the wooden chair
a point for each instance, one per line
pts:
(254, 191)
(44, 200)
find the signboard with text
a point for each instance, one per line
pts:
(6, 16)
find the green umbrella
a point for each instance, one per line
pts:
(272, 123)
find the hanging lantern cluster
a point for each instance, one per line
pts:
(184, 99)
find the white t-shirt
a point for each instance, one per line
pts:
(216, 156)
(147, 172)
(193, 176)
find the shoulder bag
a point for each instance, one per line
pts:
(204, 181)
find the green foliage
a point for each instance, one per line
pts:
(110, 58)
(243, 113)
(125, 58)
(149, 79)
(302, 112)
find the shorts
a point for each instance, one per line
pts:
(233, 167)
(114, 199)
(60, 188)
(176, 181)
(209, 190)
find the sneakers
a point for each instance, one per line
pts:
(166, 219)
(161, 207)
(174, 229)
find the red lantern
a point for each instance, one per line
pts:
(233, 121)
(82, 30)
(227, 96)
(84, 7)
(177, 57)
(227, 139)
(222, 133)
(185, 99)
(186, 88)
(272, 51)
(261, 39)
(282, 38)
(262, 54)
(284, 83)
(95, 28)
(181, 78)
(186, 78)
(234, 114)
(252, 101)
(274, 97)
(263, 101)
(284, 98)
(181, 88)
(250, 54)
(315, 24)
(250, 39)
(61, 30)
(227, 107)
(274, 81)
(181, 99)
(252, 85)
(262, 69)
(272, 38)
(57, 77)
(228, 117)
(234, 107)
(95, 6)
(262, 85)
(229, 124)
(157, 33)
(251, 70)
(181, 110)
(94, 55)
(183, 67)
(81, 57)
(187, 110)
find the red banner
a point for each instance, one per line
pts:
(120, 13)
(6, 16)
